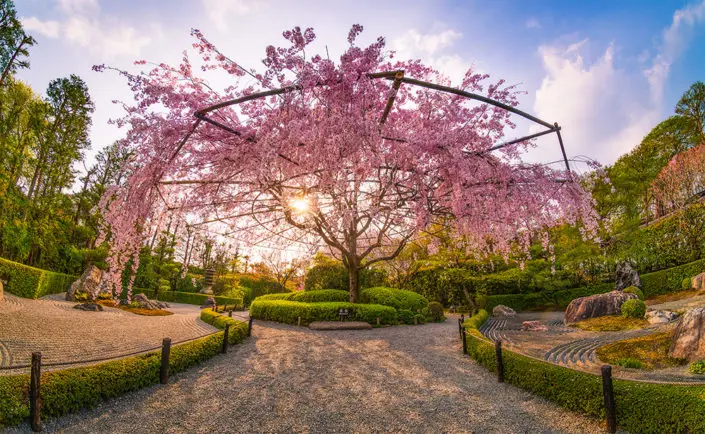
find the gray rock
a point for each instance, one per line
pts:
(146, 303)
(689, 338)
(533, 326)
(626, 276)
(503, 311)
(209, 303)
(698, 282)
(596, 305)
(660, 316)
(90, 307)
(88, 283)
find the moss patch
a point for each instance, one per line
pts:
(136, 310)
(665, 298)
(611, 324)
(651, 352)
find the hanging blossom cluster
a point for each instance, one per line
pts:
(320, 164)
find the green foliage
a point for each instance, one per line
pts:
(30, 282)
(635, 290)
(630, 363)
(436, 311)
(697, 367)
(641, 407)
(476, 321)
(333, 275)
(190, 298)
(396, 298)
(237, 331)
(289, 312)
(255, 285)
(405, 316)
(670, 280)
(73, 389)
(322, 295)
(686, 284)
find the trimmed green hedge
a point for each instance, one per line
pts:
(238, 329)
(641, 407)
(30, 282)
(189, 297)
(671, 279)
(318, 296)
(476, 321)
(70, 390)
(542, 300)
(396, 298)
(288, 312)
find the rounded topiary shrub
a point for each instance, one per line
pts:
(436, 310)
(635, 290)
(405, 316)
(633, 309)
(697, 367)
(686, 283)
(396, 298)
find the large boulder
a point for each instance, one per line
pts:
(660, 316)
(626, 276)
(209, 303)
(596, 305)
(503, 311)
(689, 338)
(88, 283)
(146, 303)
(698, 282)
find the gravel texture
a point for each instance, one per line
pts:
(292, 379)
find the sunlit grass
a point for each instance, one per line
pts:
(611, 324)
(645, 352)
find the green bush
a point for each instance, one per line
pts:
(190, 298)
(633, 309)
(686, 284)
(289, 312)
(396, 298)
(405, 316)
(641, 407)
(476, 321)
(697, 367)
(435, 310)
(319, 296)
(30, 282)
(238, 329)
(635, 290)
(281, 296)
(254, 286)
(630, 363)
(73, 389)
(671, 279)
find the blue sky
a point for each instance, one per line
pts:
(607, 71)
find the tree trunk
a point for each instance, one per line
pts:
(354, 276)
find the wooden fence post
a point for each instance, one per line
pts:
(164, 369)
(35, 400)
(298, 323)
(249, 327)
(460, 328)
(500, 363)
(608, 392)
(465, 344)
(225, 338)
(379, 321)
(230, 313)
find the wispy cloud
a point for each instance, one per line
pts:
(222, 12)
(532, 23)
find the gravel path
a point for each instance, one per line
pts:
(285, 378)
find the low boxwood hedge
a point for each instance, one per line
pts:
(476, 321)
(289, 312)
(190, 298)
(72, 389)
(238, 329)
(641, 407)
(671, 279)
(396, 298)
(317, 296)
(30, 282)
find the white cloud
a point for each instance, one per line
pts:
(430, 48)
(84, 25)
(47, 28)
(604, 111)
(221, 12)
(532, 23)
(675, 39)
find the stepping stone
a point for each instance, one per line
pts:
(339, 325)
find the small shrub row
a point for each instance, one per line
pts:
(190, 298)
(30, 282)
(396, 298)
(641, 407)
(73, 389)
(289, 312)
(670, 279)
(635, 290)
(238, 329)
(318, 296)
(476, 321)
